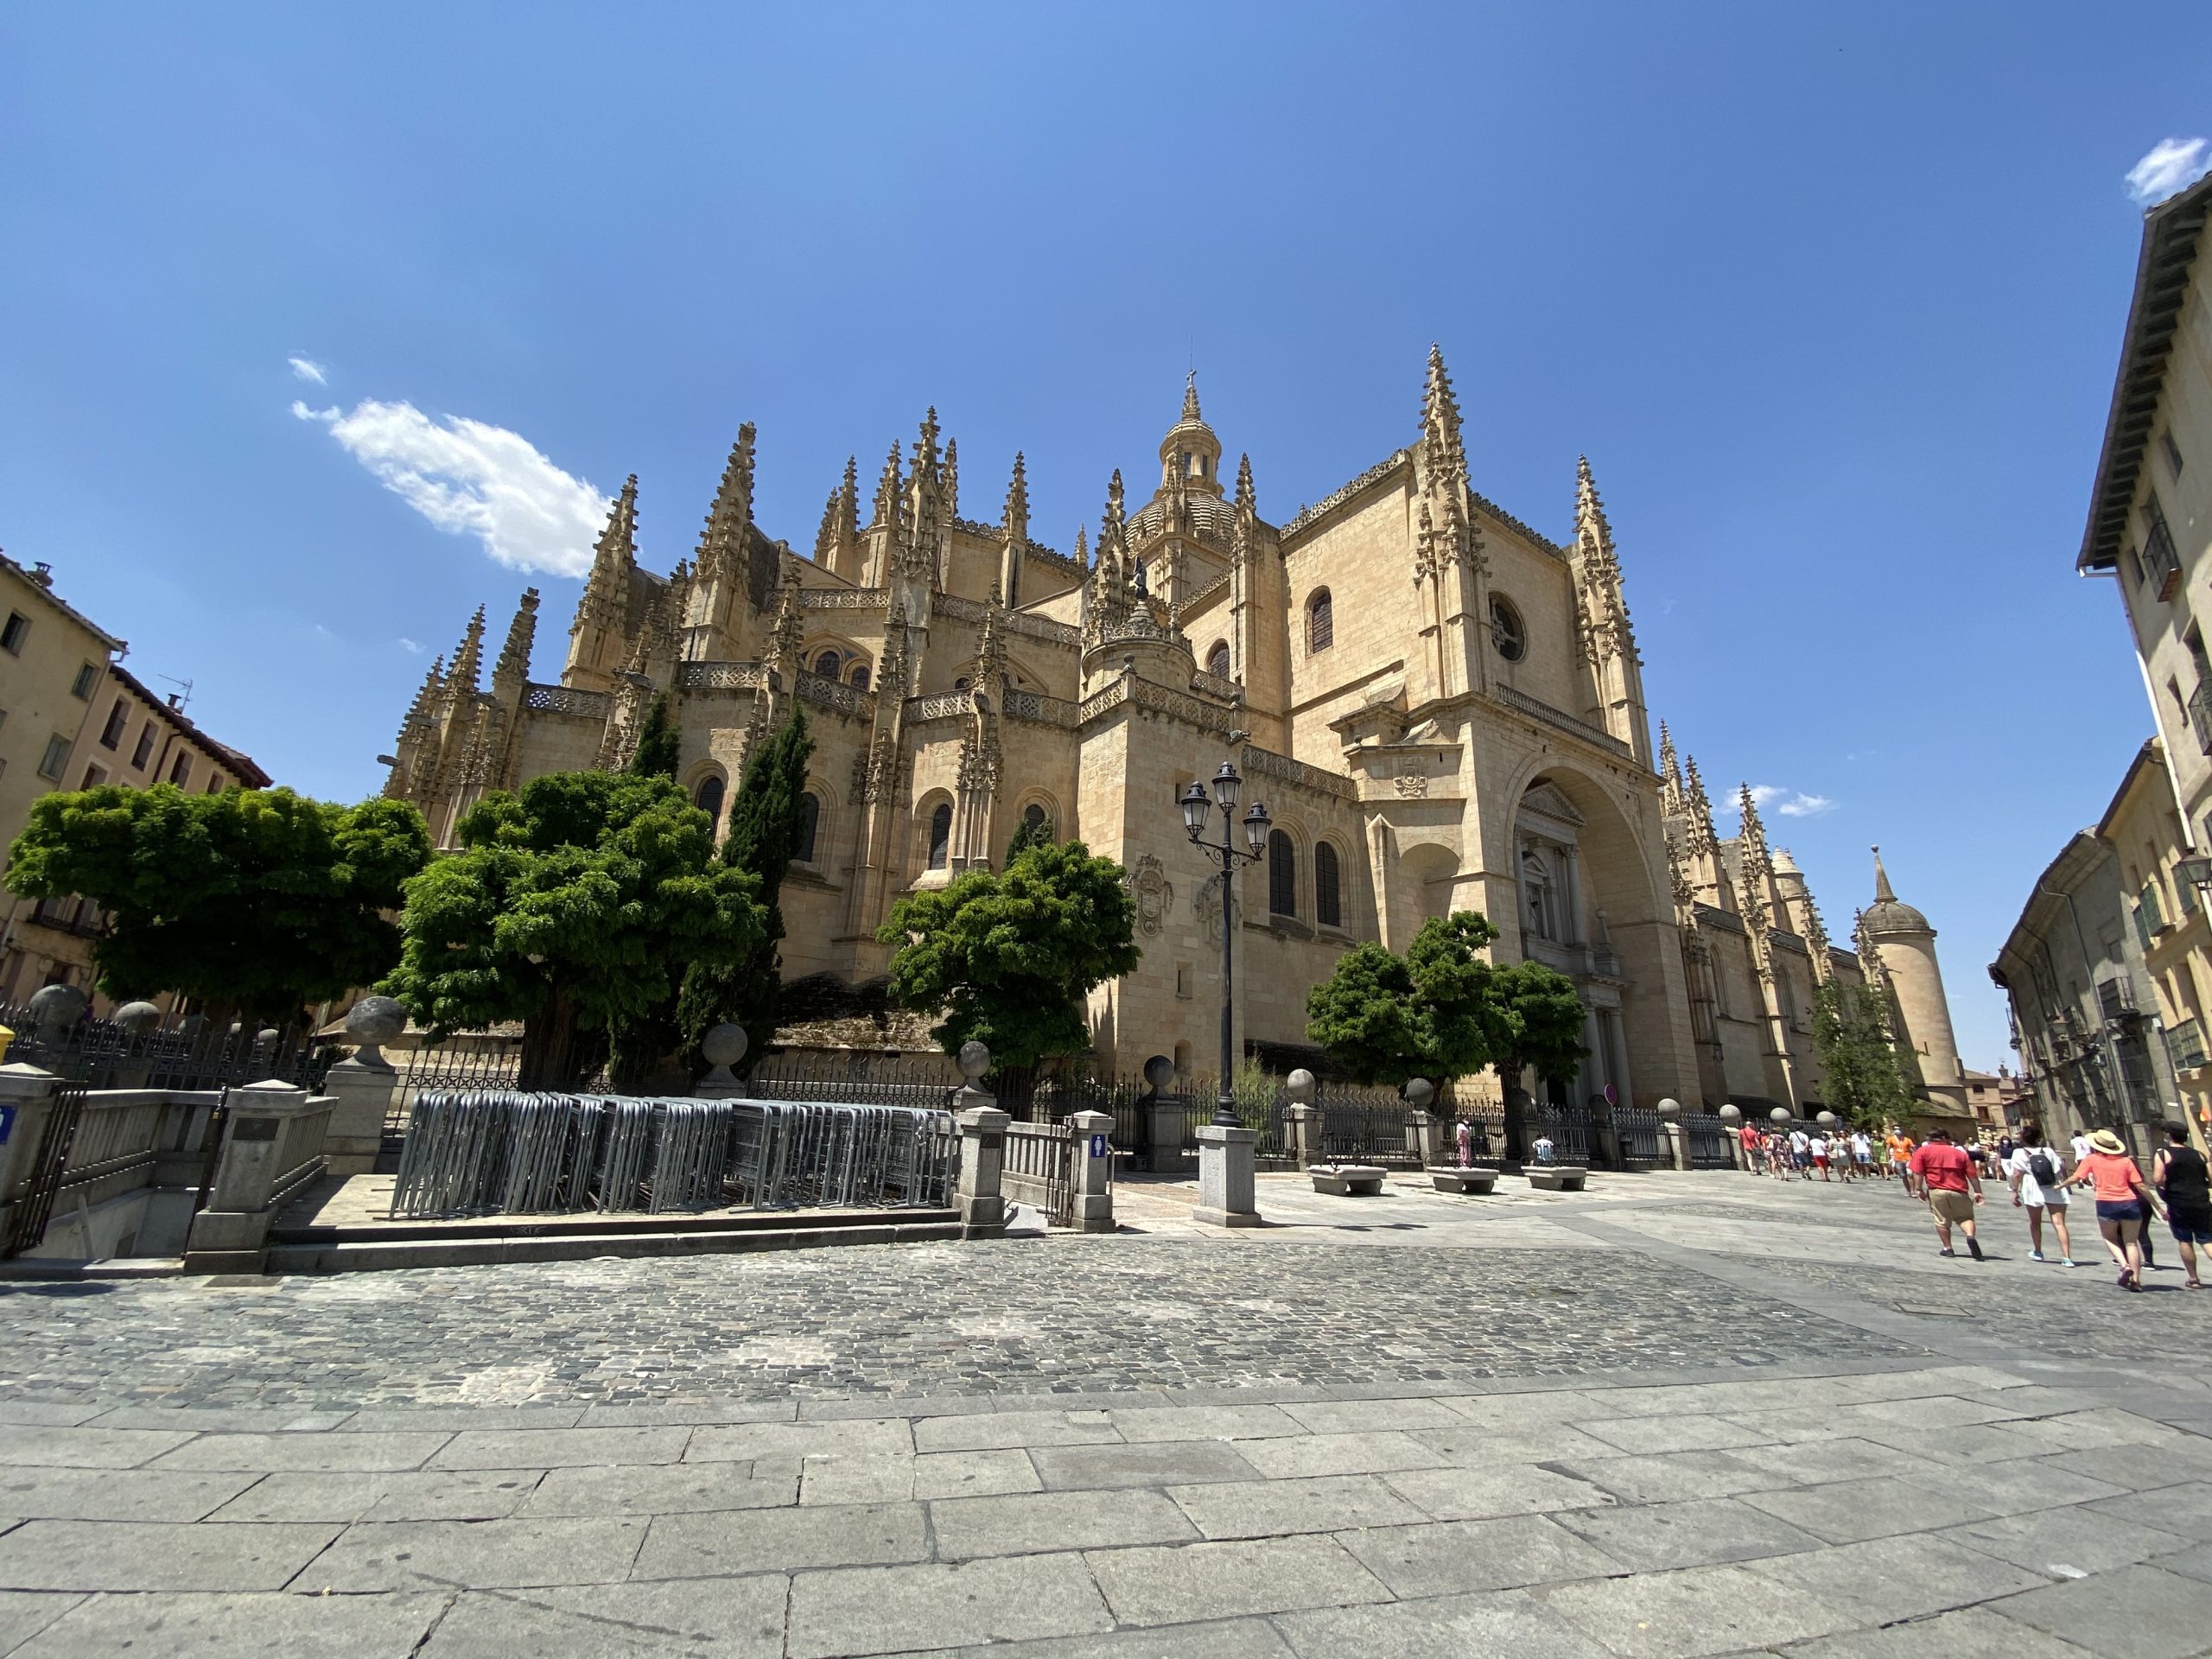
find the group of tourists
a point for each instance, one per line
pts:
(1818, 1153)
(2042, 1179)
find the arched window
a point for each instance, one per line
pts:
(1034, 816)
(1538, 897)
(708, 797)
(1320, 622)
(826, 665)
(859, 676)
(1218, 660)
(962, 684)
(1328, 909)
(810, 820)
(941, 836)
(1507, 631)
(1282, 875)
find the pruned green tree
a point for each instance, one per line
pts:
(1864, 1079)
(1444, 1011)
(660, 742)
(1006, 959)
(1027, 835)
(767, 824)
(253, 901)
(574, 906)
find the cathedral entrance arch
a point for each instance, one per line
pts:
(1593, 902)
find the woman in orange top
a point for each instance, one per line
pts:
(2120, 1195)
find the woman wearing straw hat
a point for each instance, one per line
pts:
(2120, 1193)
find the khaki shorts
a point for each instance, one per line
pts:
(1951, 1206)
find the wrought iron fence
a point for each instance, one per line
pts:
(1641, 1138)
(188, 1053)
(1570, 1129)
(1705, 1141)
(1362, 1124)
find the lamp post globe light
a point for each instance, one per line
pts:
(1199, 808)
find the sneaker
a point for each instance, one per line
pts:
(2067, 1261)
(1973, 1246)
(2035, 1255)
(1947, 1250)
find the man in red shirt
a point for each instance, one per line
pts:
(1947, 1174)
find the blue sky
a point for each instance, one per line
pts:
(1831, 296)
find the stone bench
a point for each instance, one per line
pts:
(1556, 1178)
(1346, 1179)
(1452, 1179)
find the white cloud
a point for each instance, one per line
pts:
(306, 368)
(468, 477)
(412, 647)
(1791, 804)
(2172, 164)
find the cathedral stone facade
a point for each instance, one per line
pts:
(1441, 707)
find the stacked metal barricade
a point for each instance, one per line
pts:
(493, 1151)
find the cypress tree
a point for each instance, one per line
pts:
(766, 828)
(1027, 835)
(659, 743)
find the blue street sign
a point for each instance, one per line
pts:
(1097, 1142)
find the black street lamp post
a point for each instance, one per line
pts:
(1198, 806)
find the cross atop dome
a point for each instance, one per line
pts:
(1190, 455)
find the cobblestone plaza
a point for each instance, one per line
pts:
(1676, 1416)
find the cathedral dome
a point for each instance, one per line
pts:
(1888, 914)
(1190, 455)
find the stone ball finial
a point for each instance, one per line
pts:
(265, 1037)
(1731, 1113)
(1300, 1084)
(975, 1060)
(1670, 1107)
(724, 1045)
(372, 1022)
(57, 1007)
(1826, 1119)
(1779, 1115)
(137, 1019)
(1160, 1071)
(1419, 1092)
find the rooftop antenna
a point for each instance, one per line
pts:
(177, 699)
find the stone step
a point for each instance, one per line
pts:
(364, 1249)
(585, 1222)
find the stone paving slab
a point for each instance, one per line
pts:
(345, 1453)
(408, 1496)
(2138, 1613)
(23, 1614)
(1448, 1627)
(660, 1489)
(531, 1550)
(784, 1540)
(966, 1528)
(46, 1447)
(130, 1556)
(223, 1626)
(1182, 1584)
(869, 1609)
(1443, 1558)
(50, 1494)
(1698, 1531)
(1967, 1633)
(686, 1618)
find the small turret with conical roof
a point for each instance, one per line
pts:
(1190, 455)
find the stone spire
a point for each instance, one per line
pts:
(1601, 610)
(888, 488)
(1702, 838)
(789, 632)
(1871, 964)
(990, 650)
(468, 657)
(1440, 419)
(605, 601)
(1240, 547)
(949, 484)
(1884, 892)
(1670, 774)
(1753, 833)
(722, 544)
(1014, 521)
(426, 699)
(513, 666)
(1191, 397)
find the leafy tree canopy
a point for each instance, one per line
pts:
(577, 902)
(1863, 1077)
(1027, 835)
(660, 743)
(766, 825)
(1442, 1010)
(255, 899)
(1006, 958)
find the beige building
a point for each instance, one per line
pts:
(1441, 706)
(71, 718)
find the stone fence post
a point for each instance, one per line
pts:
(980, 1198)
(26, 1110)
(361, 1088)
(1304, 1118)
(1420, 1125)
(1093, 1171)
(723, 1046)
(1164, 1116)
(272, 1147)
(1674, 1140)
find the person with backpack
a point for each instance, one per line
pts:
(2037, 1172)
(2185, 1183)
(2111, 1174)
